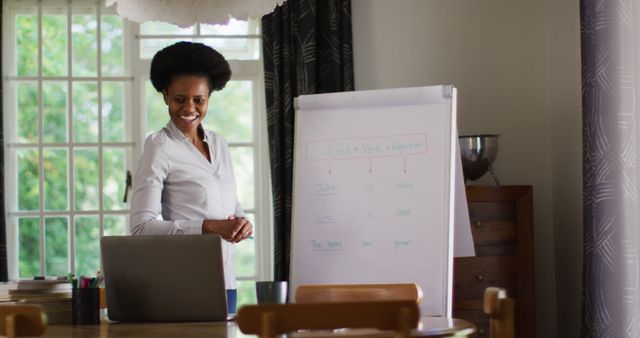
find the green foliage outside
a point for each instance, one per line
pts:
(246, 293)
(55, 179)
(56, 246)
(54, 45)
(29, 254)
(230, 114)
(84, 54)
(27, 45)
(28, 110)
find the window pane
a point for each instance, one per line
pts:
(246, 254)
(85, 169)
(246, 292)
(54, 42)
(163, 28)
(236, 49)
(28, 248)
(112, 45)
(233, 27)
(27, 45)
(149, 47)
(27, 112)
(157, 113)
(230, 112)
(54, 111)
(113, 112)
(85, 112)
(28, 189)
(56, 242)
(87, 245)
(55, 179)
(115, 174)
(242, 158)
(115, 225)
(84, 34)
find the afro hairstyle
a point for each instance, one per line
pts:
(189, 58)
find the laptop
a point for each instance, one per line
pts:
(164, 278)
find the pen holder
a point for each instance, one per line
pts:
(85, 306)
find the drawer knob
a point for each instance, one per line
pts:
(481, 332)
(478, 223)
(479, 277)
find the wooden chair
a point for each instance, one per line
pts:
(269, 320)
(103, 298)
(501, 312)
(23, 320)
(357, 292)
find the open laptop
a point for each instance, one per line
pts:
(164, 278)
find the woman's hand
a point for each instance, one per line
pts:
(245, 229)
(234, 229)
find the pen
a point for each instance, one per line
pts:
(70, 278)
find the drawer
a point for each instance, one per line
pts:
(502, 264)
(492, 232)
(497, 250)
(493, 210)
(472, 275)
(467, 304)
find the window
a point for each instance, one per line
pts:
(75, 79)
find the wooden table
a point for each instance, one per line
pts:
(429, 327)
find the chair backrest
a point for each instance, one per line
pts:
(103, 298)
(501, 312)
(23, 320)
(357, 293)
(269, 320)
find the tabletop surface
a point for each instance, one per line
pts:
(429, 327)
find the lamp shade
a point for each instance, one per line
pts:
(185, 13)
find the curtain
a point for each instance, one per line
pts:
(611, 257)
(3, 225)
(307, 49)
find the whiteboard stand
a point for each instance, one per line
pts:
(374, 190)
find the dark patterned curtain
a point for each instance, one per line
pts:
(307, 49)
(611, 254)
(3, 225)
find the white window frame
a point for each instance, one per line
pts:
(134, 122)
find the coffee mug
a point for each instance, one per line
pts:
(271, 292)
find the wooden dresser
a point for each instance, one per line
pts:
(502, 227)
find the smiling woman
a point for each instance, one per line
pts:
(185, 173)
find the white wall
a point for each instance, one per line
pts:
(563, 32)
(501, 56)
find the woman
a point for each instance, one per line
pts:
(185, 172)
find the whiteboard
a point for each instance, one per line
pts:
(374, 189)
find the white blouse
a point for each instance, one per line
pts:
(176, 188)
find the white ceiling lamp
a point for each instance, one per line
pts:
(185, 13)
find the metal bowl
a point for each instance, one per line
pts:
(478, 153)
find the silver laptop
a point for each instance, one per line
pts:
(164, 278)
